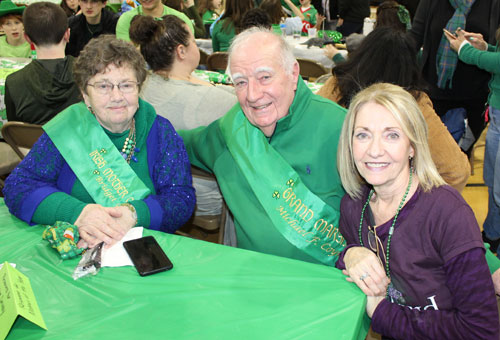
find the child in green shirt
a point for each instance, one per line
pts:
(12, 44)
(307, 13)
(210, 10)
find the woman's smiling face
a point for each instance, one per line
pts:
(115, 109)
(380, 147)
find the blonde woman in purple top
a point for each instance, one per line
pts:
(424, 270)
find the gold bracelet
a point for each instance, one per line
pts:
(132, 209)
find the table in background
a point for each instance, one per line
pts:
(299, 51)
(8, 66)
(313, 53)
(213, 292)
(223, 78)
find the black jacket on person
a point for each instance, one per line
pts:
(427, 30)
(469, 85)
(81, 34)
(332, 8)
(354, 10)
(40, 90)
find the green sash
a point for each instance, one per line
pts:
(298, 214)
(93, 157)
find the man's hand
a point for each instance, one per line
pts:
(364, 268)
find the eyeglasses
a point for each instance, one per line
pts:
(104, 87)
(375, 243)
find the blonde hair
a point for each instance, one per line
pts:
(405, 110)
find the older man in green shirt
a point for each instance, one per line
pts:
(274, 154)
(153, 8)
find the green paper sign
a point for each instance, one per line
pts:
(16, 298)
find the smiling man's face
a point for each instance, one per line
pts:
(264, 88)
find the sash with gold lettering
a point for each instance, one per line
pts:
(93, 157)
(309, 223)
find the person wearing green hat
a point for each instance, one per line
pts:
(12, 44)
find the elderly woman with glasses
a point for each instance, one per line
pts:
(108, 163)
(429, 278)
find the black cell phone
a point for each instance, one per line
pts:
(147, 256)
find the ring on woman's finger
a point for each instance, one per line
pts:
(364, 276)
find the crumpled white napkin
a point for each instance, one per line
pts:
(117, 256)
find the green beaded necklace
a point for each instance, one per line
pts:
(129, 148)
(391, 230)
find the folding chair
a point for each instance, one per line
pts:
(21, 136)
(311, 69)
(217, 61)
(8, 161)
(207, 223)
(203, 58)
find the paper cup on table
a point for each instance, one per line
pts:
(312, 32)
(296, 33)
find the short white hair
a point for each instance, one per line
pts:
(285, 51)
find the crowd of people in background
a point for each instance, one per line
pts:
(371, 152)
(216, 19)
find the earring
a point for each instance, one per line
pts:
(410, 158)
(90, 109)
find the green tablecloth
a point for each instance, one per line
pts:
(213, 292)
